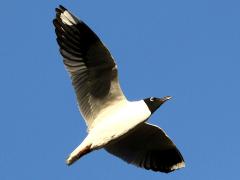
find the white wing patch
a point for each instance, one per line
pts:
(178, 165)
(67, 18)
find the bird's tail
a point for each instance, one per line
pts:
(78, 153)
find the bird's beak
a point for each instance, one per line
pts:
(164, 99)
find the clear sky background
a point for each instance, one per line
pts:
(187, 49)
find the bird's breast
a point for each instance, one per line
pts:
(118, 120)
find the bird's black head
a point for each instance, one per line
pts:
(154, 103)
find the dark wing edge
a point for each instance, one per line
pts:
(92, 69)
(148, 147)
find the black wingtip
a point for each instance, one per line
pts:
(54, 22)
(58, 10)
(62, 8)
(166, 161)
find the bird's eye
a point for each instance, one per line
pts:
(152, 99)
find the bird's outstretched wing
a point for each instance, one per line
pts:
(148, 147)
(92, 69)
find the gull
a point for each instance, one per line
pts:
(114, 123)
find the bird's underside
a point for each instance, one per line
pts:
(113, 122)
(117, 122)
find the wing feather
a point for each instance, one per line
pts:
(92, 69)
(148, 147)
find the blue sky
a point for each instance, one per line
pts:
(186, 49)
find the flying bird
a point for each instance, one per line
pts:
(114, 123)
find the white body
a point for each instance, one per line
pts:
(115, 122)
